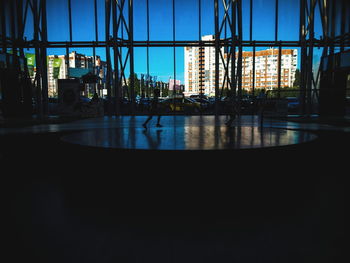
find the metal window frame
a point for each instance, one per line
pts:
(231, 21)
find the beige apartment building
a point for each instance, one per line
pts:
(200, 69)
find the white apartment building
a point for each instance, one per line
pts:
(200, 69)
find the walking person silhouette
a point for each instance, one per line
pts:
(233, 108)
(154, 109)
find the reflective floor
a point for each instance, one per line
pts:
(168, 121)
(182, 132)
(72, 203)
(189, 138)
(189, 133)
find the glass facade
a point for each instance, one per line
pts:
(150, 37)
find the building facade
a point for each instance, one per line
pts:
(79, 64)
(200, 69)
(267, 67)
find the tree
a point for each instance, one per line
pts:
(296, 82)
(137, 85)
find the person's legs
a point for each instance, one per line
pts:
(158, 121)
(148, 119)
(231, 119)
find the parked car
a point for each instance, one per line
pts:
(124, 103)
(182, 104)
(247, 104)
(204, 103)
(199, 96)
(144, 103)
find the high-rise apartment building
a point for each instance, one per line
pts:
(200, 69)
(266, 68)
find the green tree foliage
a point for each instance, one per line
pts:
(138, 87)
(297, 79)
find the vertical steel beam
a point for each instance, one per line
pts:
(253, 84)
(226, 68)
(233, 48)
(331, 16)
(13, 31)
(94, 48)
(302, 41)
(69, 9)
(131, 53)
(240, 53)
(279, 64)
(26, 94)
(38, 74)
(116, 81)
(217, 50)
(108, 56)
(147, 48)
(96, 22)
(21, 21)
(42, 58)
(251, 21)
(70, 20)
(322, 4)
(3, 26)
(199, 20)
(94, 67)
(310, 57)
(276, 21)
(342, 25)
(174, 50)
(226, 65)
(43, 54)
(20, 24)
(67, 62)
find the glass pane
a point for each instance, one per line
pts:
(101, 20)
(161, 20)
(140, 61)
(318, 24)
(162, 63)
(28, 26)
(347, 21)
(246, 19)
(57, 20)
(264, 20)
(186, 13)
(288, 20)
(180, 65)
(140, 20)
(7, 13)
(208, 17)
(83, 22)
(338, 16)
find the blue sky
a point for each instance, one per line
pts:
(161, 27)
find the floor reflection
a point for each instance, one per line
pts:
(189, 137)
